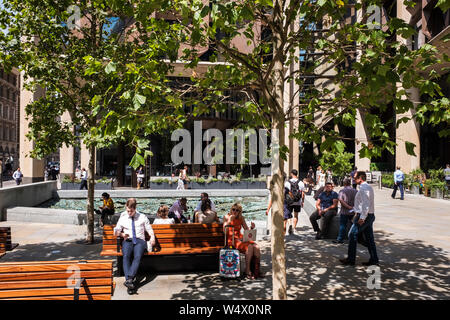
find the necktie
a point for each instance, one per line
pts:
(133, 228)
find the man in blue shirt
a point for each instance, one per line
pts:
(399, 177)
(326, 207)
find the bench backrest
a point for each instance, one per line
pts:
(55, 280)
(172, 236)
(5, 239)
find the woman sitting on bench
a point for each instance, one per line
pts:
(162, 216)
(206, 215)
(250, 248)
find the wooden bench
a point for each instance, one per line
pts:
(57, 280)
(179, 247)
(5, 240)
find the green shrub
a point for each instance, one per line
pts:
(387, 180)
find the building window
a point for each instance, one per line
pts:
(11, 114)
(12, 135)
(6, 133)
(1, 91)
(1, 132)
(1, 110)
(5, 112)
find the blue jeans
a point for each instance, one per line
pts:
(398, 185)
(367, 228)
(343, 221)
(132, 254)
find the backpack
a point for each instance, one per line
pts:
(295, 190)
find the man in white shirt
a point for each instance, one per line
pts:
(399, 176)
(204, 196)
(364, 207)
(294, 185)
(131, 227)
(17, 175)
(83, 184)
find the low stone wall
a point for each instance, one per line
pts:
(27, 195)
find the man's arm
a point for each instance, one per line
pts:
(333, 206)
(318, 205)
(343, 201)
(364, 205)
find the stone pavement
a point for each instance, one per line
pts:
(412, 238)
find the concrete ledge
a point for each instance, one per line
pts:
(27, 195)
(82, 194)
(45, 215)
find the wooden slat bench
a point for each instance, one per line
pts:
(57, 280)
(178, 246)
(5, 240)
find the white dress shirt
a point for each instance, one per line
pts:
(141, 224)
(199, 206)
(364, 201)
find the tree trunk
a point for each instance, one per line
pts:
(90, 199)
(277, 232)
(276, 105)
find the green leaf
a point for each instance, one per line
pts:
(410, 148)
(137, 161)
(110, 67)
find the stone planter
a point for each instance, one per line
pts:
(163, 186)
(415, 189)
(76, 186)
(256, 185)
(438, 193)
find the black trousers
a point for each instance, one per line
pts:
(83, 185)
(326, 223)
(104, 212)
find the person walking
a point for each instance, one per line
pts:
(399, 176)
(447, 175)
(352, 177)
(17, 175)
(140, 177)
(132, 226)
(310, 174)
(318, 171)
(295, 198)
(347, 200)
(363, 222)
(83, 179)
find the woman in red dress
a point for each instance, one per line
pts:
(250, 248)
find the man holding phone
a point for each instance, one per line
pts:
(131, 227)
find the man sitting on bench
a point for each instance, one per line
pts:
(131, 227)
(326, 207)
(177, 209)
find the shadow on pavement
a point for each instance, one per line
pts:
(68, 250)
(409, 270)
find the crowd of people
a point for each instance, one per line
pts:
(132, 230)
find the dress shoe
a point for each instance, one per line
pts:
(370, 263)
(337, 241)
(346, 262)
(129, 284)
(318, 235)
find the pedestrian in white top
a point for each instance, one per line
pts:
(17, 175)
(131, 227)
(364, 207)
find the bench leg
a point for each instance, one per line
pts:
(120, 266)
